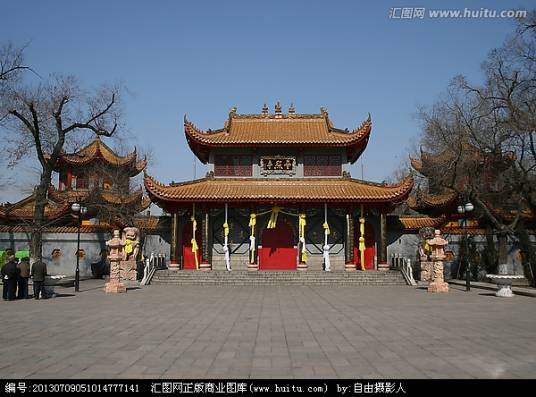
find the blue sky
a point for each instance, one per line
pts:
(200, 58)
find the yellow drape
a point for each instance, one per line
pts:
(225, 229)
(194, 241)
(326, 227)
(129, 245)
(362, 239)
(301, 224)
(252, 223)
(272, 223)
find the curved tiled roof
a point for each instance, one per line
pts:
(24, 209)
(431, 200)
(110, 197)
(98, 150)
(418, 222)
(279, 129)
(439, 200)
(278, 190)
(416, 164)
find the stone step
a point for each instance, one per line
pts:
(259, 278)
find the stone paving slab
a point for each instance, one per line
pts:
(268, 332)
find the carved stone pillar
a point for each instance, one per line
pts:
(437, 245)
(349, 243)
(116, 245)
(173, 254)
(206, 245)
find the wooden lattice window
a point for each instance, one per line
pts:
(322, 165)
(234, 165)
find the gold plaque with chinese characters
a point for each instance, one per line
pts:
(278, 165)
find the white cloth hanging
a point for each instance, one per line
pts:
(226, 243)
(327, 263)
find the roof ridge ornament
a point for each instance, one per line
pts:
(264, 110)
(291, 110)
(278, 110)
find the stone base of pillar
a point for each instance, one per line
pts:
(440, 286)
(350, 267)
(302, 266)
(174, 266)
(426, 270)
(504, 291)
(115, 287)
(253, 267)
(383, 267)
(205, 267)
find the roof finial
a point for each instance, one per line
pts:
(277, 108)
(232, 112)
(265, 109)
(323, 111)
(291, 109)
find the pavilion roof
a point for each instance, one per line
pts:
(254, 130)
(99, 151)
(418, 222)
(422, 200)
(24, 209)
(107, 196)
(309, 190)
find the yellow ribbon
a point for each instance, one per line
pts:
(252, 223)
(194, 242)
(225, 229)
(272, 223)
(326, 227)
(302, 222)
(362, 241)
(129, 246)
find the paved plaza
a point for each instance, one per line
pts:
(269, 332)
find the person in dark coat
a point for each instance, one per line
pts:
(39, 272)
(24, 275)
(9, 276)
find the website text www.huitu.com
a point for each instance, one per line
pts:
(421, 13)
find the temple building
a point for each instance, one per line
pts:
(278, 195)
(99, 179)
(94, 176)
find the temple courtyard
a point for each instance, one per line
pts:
(268, 332)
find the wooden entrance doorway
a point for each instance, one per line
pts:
(188, 258)
(278, 251)
(370, 247)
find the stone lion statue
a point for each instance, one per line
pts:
(130, 238)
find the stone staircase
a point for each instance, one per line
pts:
(377, 278)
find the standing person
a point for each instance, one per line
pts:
(24, 275)
(9, 277)
(39, 271)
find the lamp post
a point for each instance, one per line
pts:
(79, 210)
(465, 209)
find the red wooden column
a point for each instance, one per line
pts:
(206, 246)
(173, 254)
(382, 259)
(349, 242)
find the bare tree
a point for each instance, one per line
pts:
(483, 137)
(11, 62)
(40, 119)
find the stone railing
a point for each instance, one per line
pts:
(152, 264)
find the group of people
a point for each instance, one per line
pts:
(15, 276)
